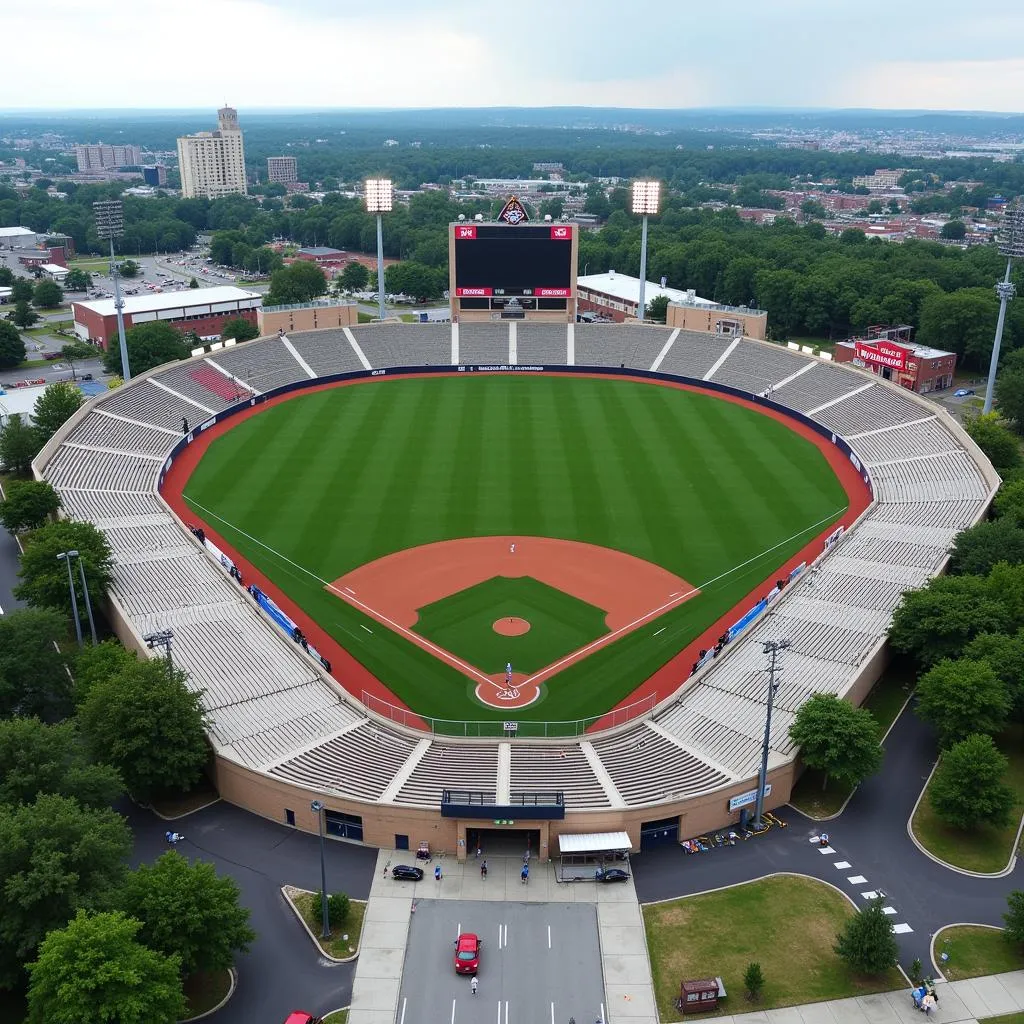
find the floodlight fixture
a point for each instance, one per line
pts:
(1011, 238)
(379, 195)
(109, 217)
(645, 197)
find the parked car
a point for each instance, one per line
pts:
(467, 953)
(85, 376)
(301, 1017)
(963, 392)
(406, 872)
(612, 875)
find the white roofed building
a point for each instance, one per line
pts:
(616, 296)
(202, 310)
(18, 238)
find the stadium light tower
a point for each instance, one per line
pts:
(773, 648)
(645, 203)
(109, 216)
(379, 200)
(1011, 245)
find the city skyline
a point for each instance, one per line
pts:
(910, 56)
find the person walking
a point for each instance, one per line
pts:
(473, 985)
(437, 873)
(524, 875)
(483, 869)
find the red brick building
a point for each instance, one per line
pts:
(203, 310)
(889, 352)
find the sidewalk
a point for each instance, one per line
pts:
(960, 1002)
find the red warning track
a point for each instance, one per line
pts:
(356, 679)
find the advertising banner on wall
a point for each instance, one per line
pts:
(883, 353)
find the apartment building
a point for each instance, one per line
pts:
(212, 164)
(101, 156)
(283, 169)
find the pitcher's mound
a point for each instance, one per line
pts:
(511, 626)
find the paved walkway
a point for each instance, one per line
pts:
(960, 1002)
(629, 992)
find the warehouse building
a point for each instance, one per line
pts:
(202, 310)
(18, 238)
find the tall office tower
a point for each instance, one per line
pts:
(212, 164)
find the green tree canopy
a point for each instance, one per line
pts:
(657, 309)
(193, 283)
(967, 788)
(55, 857)
(24, 315)
(299, 282)
(954, 229)
(188, 911)
(937, 621)
(995, 439)
(55, 406)
(12, 348)
(416, 280)
(37, 758)
(96, 971)
(129, 268)
(149, 345)
(836, 738)
(29, 504)
(1005, 653)
(21, 290)
(1009, 502)
(78, 280)
(148, 725)
(75, 351)
(240, 329)
(96, 664)
(20, 443)
(355, 276)
(962, 697)
(1014, 917)
(980, 548)
(866, 942)
(1010, 389)
(47, 294)
(33, 679)
(44, 577)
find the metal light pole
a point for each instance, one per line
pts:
(110, 224)
(772, 648)
(162, 638)
(645, 202)
(1012, 247)
(88, 602)
(317, 807)
(379, 200)
(65, 557)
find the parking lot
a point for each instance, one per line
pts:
(539, 963)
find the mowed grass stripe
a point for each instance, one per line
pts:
(658, 472)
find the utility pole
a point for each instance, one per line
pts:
(773, 648)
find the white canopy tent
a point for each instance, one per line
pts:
(584, 854)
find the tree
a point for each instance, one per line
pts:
(838, 739)
(96, 663)
(188, 912)
(967, 788)
(240, 329)
(1009, 502)
(149, 345)
(962, 697)
(129, 268)
(77, 280)
(414, 279)
(44, 577)
(867, 942)
(657, 309)
(1006, 656)
(753, 981)
(33, 679)
(355, 276)
(54, 407)
(12, 348)
(299, 282)
(21, 290)
(74, 351)
(875, 207)
(96, 971)
(193, 283)
(38, 758)
(1014, 917)
(19, 445)
(338, 907)
(995, 439)
(47, 294)
(147, 724)
(954, 229)
(24, 315)
(812, 208)
(29, 504)
(55, 857)
(937, 621)
(1010, 389)
(978, 549)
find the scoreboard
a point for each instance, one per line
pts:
(503, 271)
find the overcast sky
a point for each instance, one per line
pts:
(933, 54)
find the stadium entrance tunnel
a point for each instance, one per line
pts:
(506, 841)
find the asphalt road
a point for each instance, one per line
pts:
(539, 962)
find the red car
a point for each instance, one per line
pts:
(298, 1017)
(467, 953)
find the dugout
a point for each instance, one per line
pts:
(581, 855)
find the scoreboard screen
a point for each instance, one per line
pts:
(527, 261)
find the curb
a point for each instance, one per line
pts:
(955, 924)
(178, 817)
(286, 892)
(231, 991)
(1011, 864)
(330, 1013)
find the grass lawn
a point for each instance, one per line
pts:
(341, 1017)
(884, 702)
(975, 951)
(323, 483)
(204, 990)
(983, 848)
(1007, 1018)
(786, 924)
(463, 624)
(337, 945)
(364, 318)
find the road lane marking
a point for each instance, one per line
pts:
(602, 1012)
(453, 1011)
(552, 1013)
(404, 1001)
(549, 946)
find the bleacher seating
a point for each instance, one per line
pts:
(271, 709)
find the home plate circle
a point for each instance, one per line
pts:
(511, 625)
(518, 693)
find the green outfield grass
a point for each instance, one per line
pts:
(321, 484)
(464, 624)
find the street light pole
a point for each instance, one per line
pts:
(65, 557)
(379, 200)
(85, 592)
(772, 648)
(162, 638)
(317, 806)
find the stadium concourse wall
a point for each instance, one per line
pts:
(259, 792)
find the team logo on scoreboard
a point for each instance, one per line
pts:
(513, 212)
(558, 231)
(465, 231)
